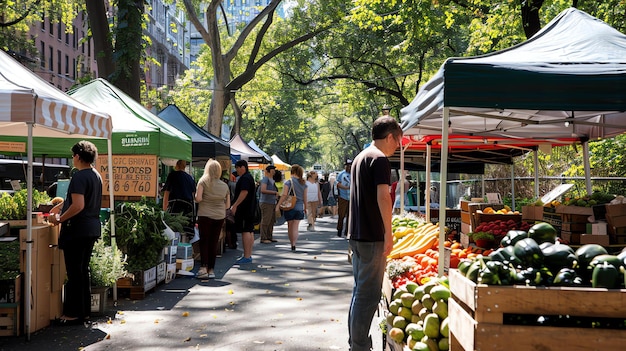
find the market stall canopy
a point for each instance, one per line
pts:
(240, 148)
(256, 148)
(30, 108)
(280, 164)
(204, 145)
(25, 99)
(136, 131)
(567, 81)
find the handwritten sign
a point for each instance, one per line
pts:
(12, 146)
(133, 175)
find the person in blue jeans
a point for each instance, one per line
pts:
(369, 227)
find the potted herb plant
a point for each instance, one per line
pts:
(106, 266)
(483, 239)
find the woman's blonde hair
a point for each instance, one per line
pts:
(212, 171)
(298, 171)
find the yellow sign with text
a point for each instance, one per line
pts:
(12, 146)
(133, 175)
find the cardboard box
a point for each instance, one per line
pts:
(184, 251)
(466, 228)
(161, 269)
(594, 239)
(465, 203)
(599, 228)
(170, 272)
(184, 265)
(615, 210)
(170, 254)
(532, 213)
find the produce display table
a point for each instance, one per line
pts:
(480, 315)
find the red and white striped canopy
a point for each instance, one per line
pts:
(26, 98)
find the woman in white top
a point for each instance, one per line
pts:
(213, 198)
(313, 195)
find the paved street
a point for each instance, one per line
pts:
(282, 301)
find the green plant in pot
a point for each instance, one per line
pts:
(483, 239)
(107, 265)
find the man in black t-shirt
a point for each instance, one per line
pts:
(369, 227)
(243, 209)
(179, 190)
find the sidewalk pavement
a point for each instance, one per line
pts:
(284, 300)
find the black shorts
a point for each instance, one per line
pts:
(244, 223)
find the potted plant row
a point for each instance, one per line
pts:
(139, 236)
(106, 266)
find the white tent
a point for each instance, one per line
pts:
(30, 106)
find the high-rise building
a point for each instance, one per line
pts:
(235, 14)
(168, 29)
(64, 57)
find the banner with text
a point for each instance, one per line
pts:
(133, 175)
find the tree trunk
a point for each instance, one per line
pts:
(101, 35)
(530, 17)
(128, 47)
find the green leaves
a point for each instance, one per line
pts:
(138, 233)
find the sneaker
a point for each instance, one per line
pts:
(339, 233)
(211, 275)
(202, 273)
(293, 248)
(244, 260)
(308, 228)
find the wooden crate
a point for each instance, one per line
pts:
(578, 210)
(477, 317)
(490, 217)
(10, 319)
(532, 213)
(574, 223)
(127, 286)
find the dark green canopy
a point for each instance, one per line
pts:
(568, 80)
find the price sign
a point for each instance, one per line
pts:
(133, 175)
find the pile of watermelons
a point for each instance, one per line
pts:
(537, 258)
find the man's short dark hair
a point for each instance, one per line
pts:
(384, 126)
(242, 163)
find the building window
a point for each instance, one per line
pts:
(51, 58)
(59, 61)
(82, 45)
(67, 38)
(74, 68)
(59, 32)
(67, 65)
(42, 54)
(51, 29)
